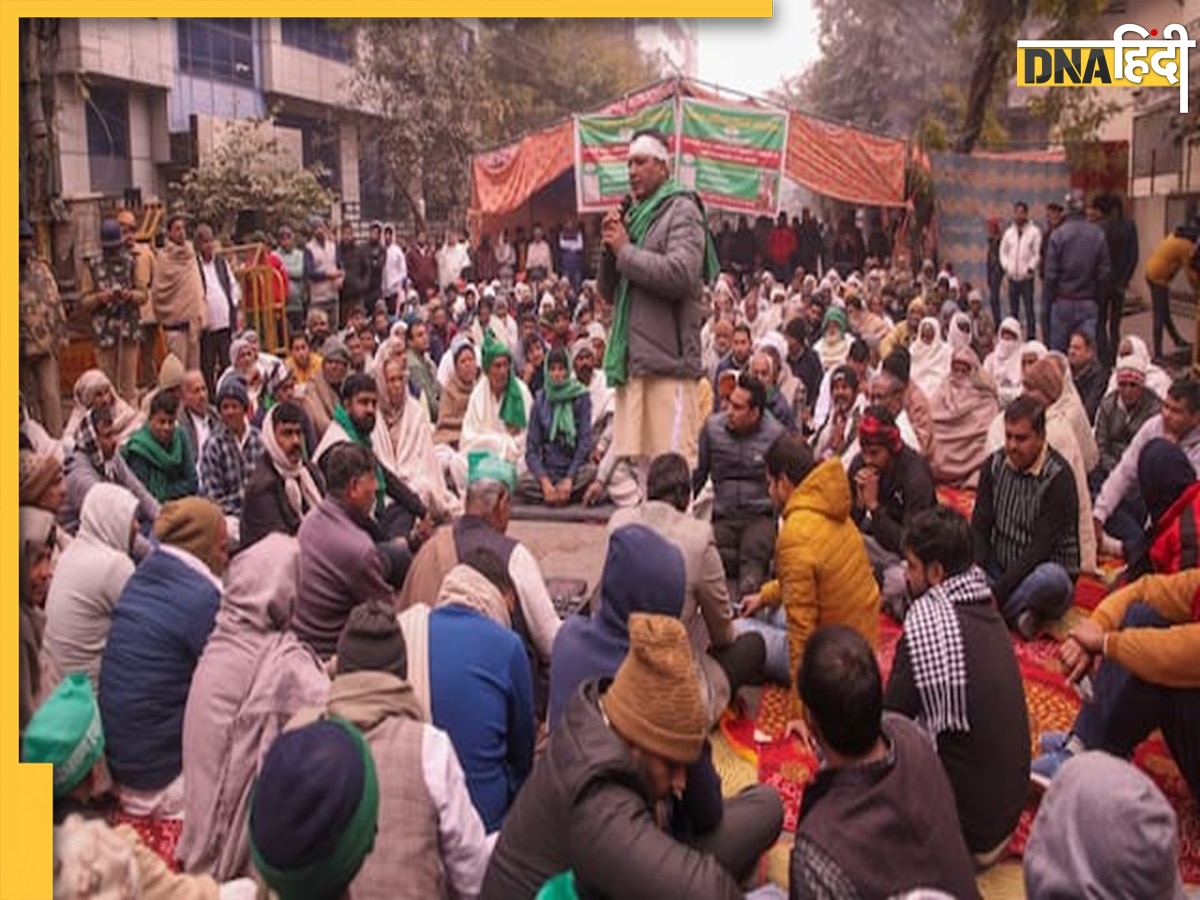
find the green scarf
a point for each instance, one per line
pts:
(343, 418)
(638, 221)
(512, 404)
(562, 399)
(164, 462)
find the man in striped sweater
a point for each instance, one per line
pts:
(1026, 522)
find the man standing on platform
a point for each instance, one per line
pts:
(658, 255)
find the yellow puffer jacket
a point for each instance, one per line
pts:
(823, 575)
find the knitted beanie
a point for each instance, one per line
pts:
(654, 701)
(1131, 368)
(66, 732)
(190, 524)
(314, 811)
(372, 641)
(38, 473)
(1044, 381)
(233, 388)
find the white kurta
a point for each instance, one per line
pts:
(483, 429)
(407, 451)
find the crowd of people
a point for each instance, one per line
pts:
(292, 620)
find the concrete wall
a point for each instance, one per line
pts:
(137, 50)
(290, 72)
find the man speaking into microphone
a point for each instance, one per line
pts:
(659, 254)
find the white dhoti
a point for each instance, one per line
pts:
(655, 415)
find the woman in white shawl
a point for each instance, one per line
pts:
(1070, 405)
(1157, 379)
(1004, 363)
(931, 357)
(1044, 382)
(93, 389)
(403, 437)
(962, 409)
(959, 334)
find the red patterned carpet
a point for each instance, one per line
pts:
(1052, 706)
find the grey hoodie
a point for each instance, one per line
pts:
(88, 580)
(1104, 832)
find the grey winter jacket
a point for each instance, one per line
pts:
(666, 278)
(587, 808)
(737, 465)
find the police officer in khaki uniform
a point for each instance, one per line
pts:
(113, 301)
(143, 275)
(43, 332)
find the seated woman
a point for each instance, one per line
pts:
(1004, 363)
(402, 437)
(1171, 491)
(930, 357)
(963, 408)
(244, 361)
(497, 414)
(160, 456)
(559, 443)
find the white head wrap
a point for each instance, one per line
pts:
(645, 145)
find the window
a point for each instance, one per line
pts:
(217, 48)
(316, 36)
(108, 139)
(320, 143)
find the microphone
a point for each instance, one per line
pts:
(623, 209)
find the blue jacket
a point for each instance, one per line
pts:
(159, 629)
(481, 692)
(643, 572)
(557, 459)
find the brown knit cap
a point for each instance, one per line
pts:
(654, 701)
(190, 524)
(38, 474)
(1044, 381)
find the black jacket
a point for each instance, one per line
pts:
(737, 465)
(988, 766)
(586, 807)
(265, 507)
(904, 490)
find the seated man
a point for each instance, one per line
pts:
(558, 446)
(955, 674)
(430, 837)
(323, 390)
(95, 460)
(159, 629)
(732, 447)
(590, 804)
(1026, 522)
(284, 487)
(822, 571)
(762, 367)
(881, 785)
(398, 509)
(482, 526)
(1146, 637)
(892, 483)
(341, 564)
(1121, 415)
(837, 436)
(1087, 371)
(913, 400)
(1119, 509)
(738, 359)
(725, 660)
(159, 455)
(253, 675)
(887, 391)
(497, 414)
(231, 453)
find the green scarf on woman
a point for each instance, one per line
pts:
(512, 404)
(562, 397)
(343, 418)
(637, 222)
(163, 460)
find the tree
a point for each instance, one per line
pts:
(248, 170)
(421, 81)
(544, 70)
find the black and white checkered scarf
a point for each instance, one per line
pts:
(935, 646)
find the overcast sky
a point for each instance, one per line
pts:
(752, 55)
